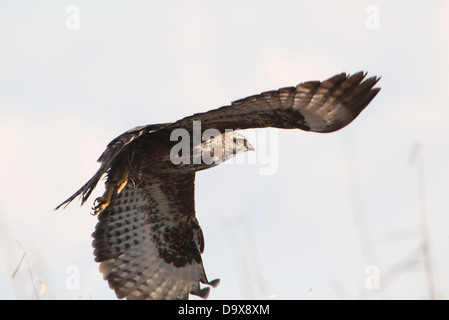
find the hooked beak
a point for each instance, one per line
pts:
(250, 147)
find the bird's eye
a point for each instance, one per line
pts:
(238, 141)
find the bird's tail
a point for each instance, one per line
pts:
(85, 191)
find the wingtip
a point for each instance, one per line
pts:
(364, 74)
(378, 78)
(214, 283)
(204, 293)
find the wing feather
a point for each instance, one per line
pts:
(312, 106)
(149, 244)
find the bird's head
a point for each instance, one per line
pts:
(224, 147)
(235, 143)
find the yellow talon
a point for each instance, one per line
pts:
(103, 202)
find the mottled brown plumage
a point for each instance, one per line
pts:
(148, 240)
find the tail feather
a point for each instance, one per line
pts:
(113, 149)
(85, 191)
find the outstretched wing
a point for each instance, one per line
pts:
(149, 242)
(113, 150)
(313, 106)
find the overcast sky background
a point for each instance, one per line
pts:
(337, 209)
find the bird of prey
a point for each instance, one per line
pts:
(148, 240)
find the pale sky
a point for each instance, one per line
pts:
(341, 213)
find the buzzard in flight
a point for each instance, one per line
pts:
(148, 239)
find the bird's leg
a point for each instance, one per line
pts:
(112, 185)
(123, 181)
